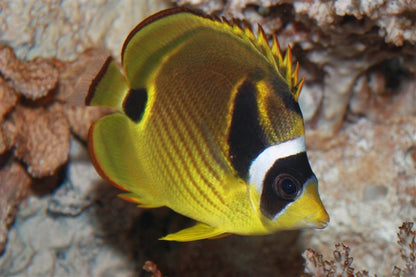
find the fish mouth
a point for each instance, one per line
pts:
(317, 221)
(321, 224)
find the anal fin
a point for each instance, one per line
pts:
(197, 232)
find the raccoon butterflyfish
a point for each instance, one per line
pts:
(208, 125)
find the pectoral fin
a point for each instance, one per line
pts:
(197, 232)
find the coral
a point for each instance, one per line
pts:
(36, 119)
(38, 131)
(391, 17)
(316, 266)
(42, 140)
(33, 79)
(7, 136)
(8, 99)
(151, 267)
(340, 266)
(408, 247)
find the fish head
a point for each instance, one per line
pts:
(287, 188)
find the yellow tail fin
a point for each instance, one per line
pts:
(197, 232)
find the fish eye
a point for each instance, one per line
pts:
(286, 187)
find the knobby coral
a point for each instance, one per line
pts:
(37, 117)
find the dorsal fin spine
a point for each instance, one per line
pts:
(295, 74)
(298, 88)
(263, 43)
(276, 49)
(287, 64)
(282, 64)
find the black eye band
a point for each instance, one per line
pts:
(283, 183)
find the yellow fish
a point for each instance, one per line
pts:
(208, 125)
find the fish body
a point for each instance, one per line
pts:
(208, 125)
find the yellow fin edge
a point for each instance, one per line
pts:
(132, 197)
(197, 232)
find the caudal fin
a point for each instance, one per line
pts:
(197, 232)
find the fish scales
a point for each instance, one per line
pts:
(182, 140)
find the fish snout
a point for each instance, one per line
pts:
(319, 217)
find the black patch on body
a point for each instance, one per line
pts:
(297, 166)
(135, 103)
(246, 138)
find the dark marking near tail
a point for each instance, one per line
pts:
(295, 165)
(135, 103)
(246, 137)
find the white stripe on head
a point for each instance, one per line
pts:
(266, 159)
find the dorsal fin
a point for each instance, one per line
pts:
(169, 28)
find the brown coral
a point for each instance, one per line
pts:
(316, 266)
(36, 120)
(8, 98)
(407, 244)
(39, 131)
(14, 184)
(34, 79)
(7, 135)
(42, 140)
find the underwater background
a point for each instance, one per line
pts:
(59, 218)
